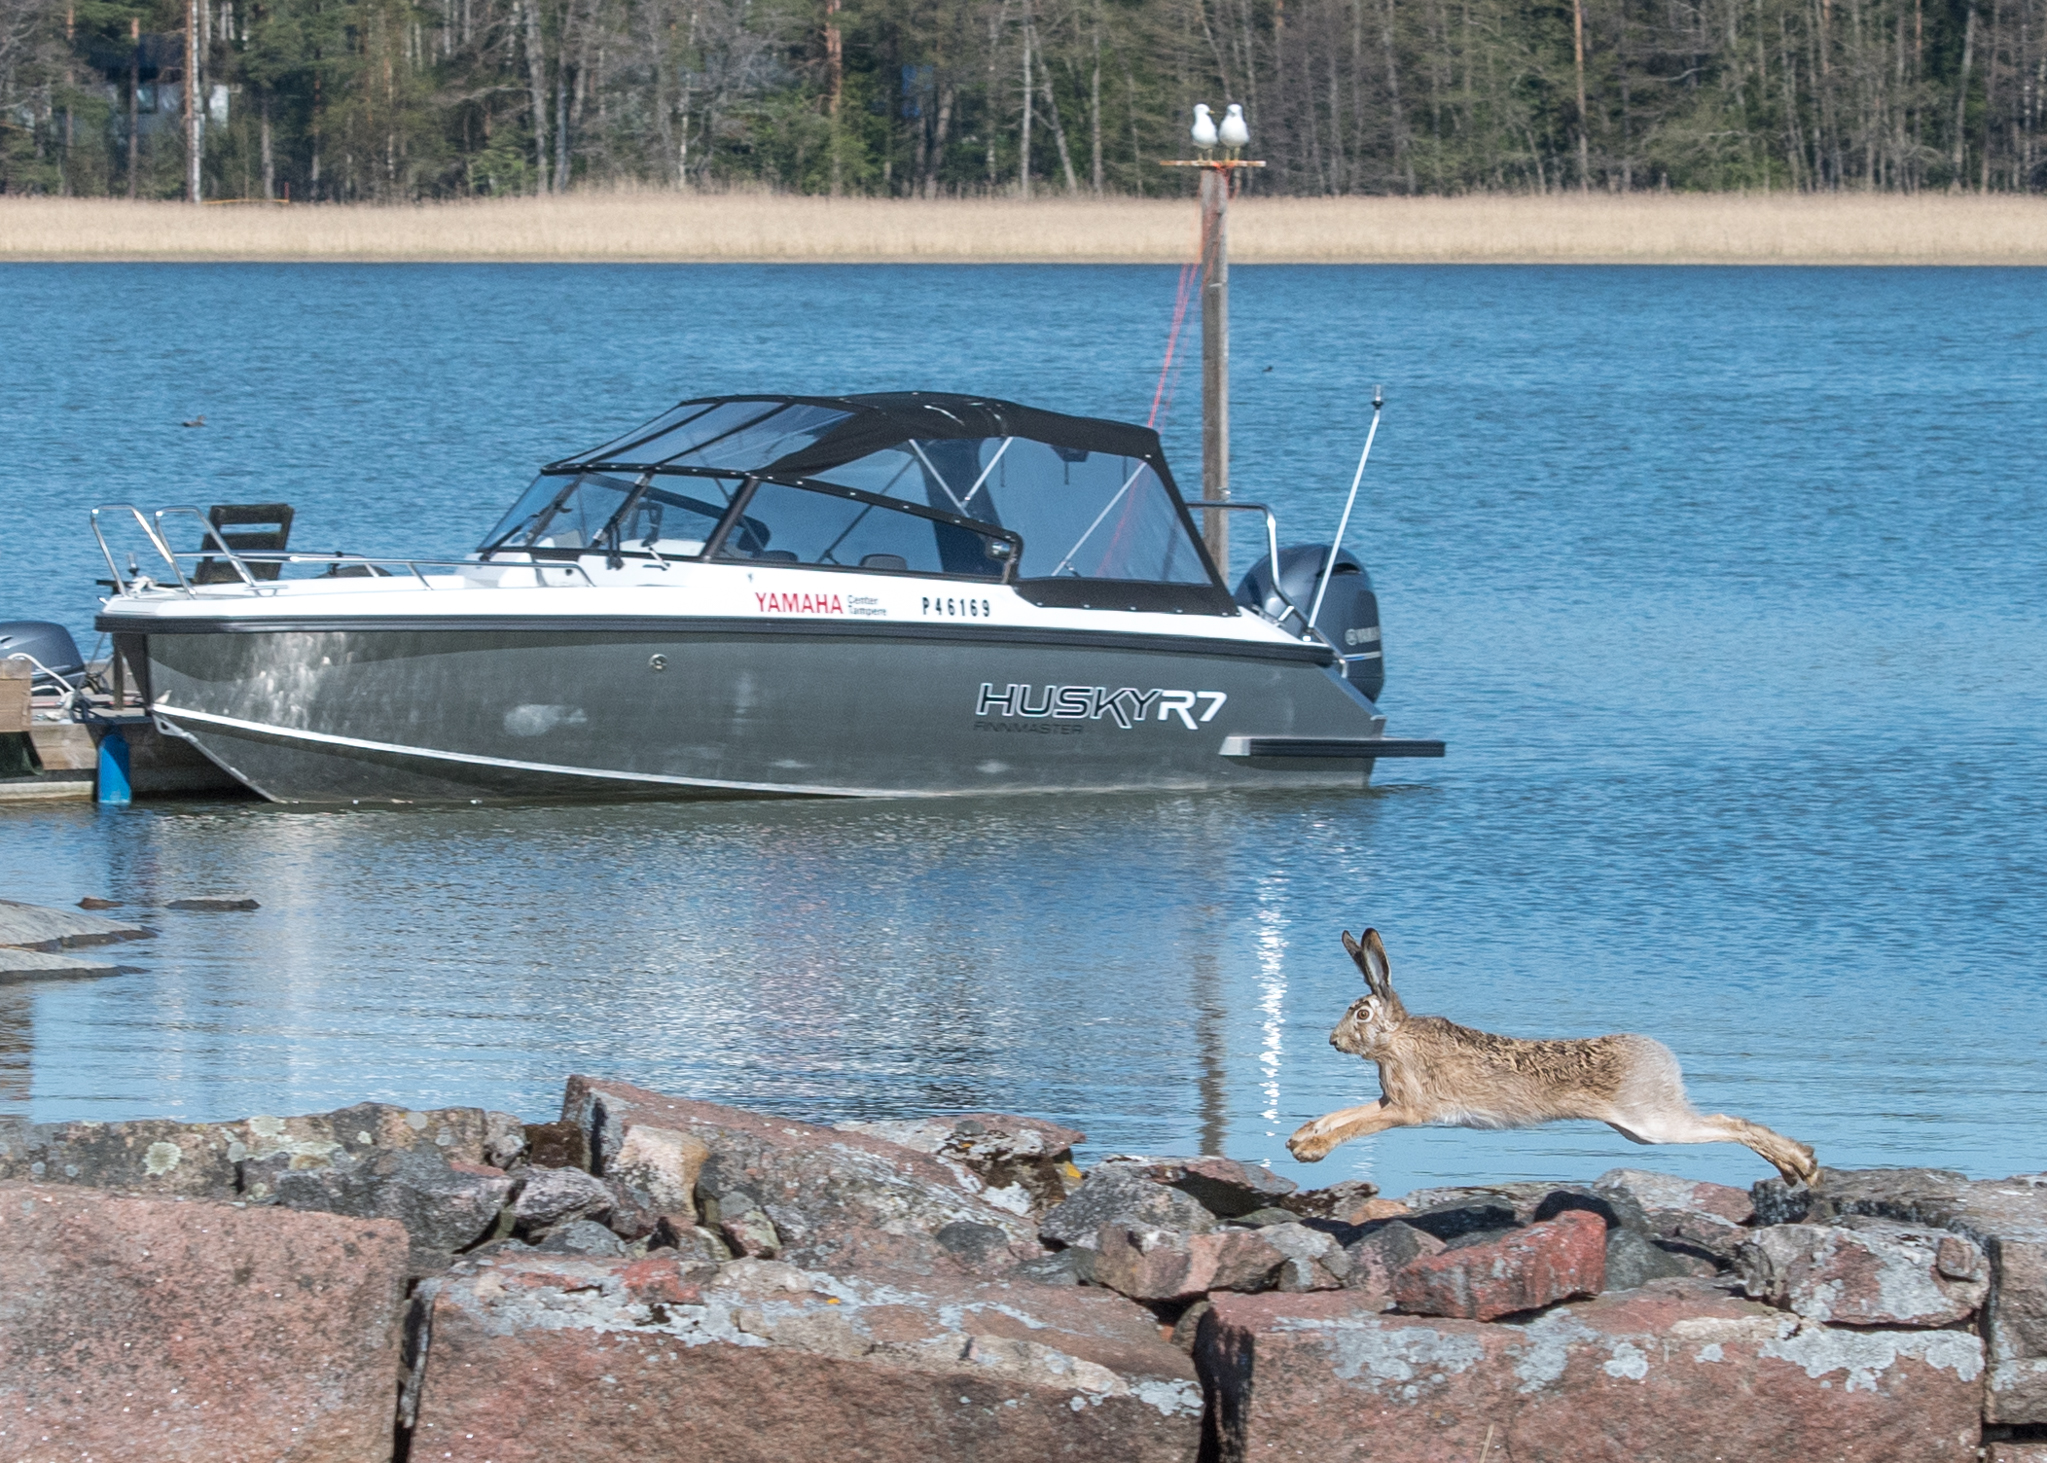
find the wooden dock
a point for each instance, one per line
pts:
(49, 751)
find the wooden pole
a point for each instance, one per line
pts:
(1215, 360)
(1215, 345)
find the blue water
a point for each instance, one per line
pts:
(1725, 587)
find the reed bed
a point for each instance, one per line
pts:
(766, 228)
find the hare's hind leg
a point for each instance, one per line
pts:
(1651, 1107)
(1788, 1156)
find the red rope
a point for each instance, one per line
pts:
(1185, 293)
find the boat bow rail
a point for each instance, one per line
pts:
(247, 563)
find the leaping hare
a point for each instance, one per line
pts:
(1435, 1071)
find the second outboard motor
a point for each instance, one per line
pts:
(1350, 611)
(49, 643)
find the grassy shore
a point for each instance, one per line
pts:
(625, 227)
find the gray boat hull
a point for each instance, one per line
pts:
(496, 710)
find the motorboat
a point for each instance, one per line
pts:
(897, 595)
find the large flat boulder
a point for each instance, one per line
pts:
(32, 927)
(1026, 1163)
(17, 967)
(837, 1200)
(151, 1331)
(242, 1159)
(537, 1360)
(1678, 1372)
(2006, 1218)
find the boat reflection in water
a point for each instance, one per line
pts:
(873, 596)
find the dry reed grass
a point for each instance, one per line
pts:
(624, 227)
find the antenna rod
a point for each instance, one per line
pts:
(1328, 568)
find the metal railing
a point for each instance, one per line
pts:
(1307, 631)
(152, 527)
(71, 692)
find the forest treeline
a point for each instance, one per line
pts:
(407, 99)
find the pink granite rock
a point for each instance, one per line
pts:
(1163, 1265)
(540, 1361)
(156, 1331)
(1522, 1270)
(1677, 1372)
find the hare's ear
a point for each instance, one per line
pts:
(1371, 960)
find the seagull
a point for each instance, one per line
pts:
(1235, 131)
(1204, 129)
(198, 421)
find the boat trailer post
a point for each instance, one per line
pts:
(1329, 564)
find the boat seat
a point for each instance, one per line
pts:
(275, 520)
(776, 556)
(885, 561)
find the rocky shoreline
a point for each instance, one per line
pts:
(649, 1277)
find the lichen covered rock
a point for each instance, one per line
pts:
(534, 1360)
(1678, 1372)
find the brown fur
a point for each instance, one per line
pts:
(1435, 1071)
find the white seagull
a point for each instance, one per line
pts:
(1235, 132)
(1204, 129)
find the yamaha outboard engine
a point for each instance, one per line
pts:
(49, 643)
(1349, 614)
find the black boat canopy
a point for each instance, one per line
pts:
(900, 482)
(798, 435)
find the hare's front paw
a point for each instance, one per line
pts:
(1309, 1144)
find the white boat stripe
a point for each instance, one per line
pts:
(176, 713)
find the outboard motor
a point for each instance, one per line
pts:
(49, 643)
(1349, 615)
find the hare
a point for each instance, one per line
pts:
(1434, 1071)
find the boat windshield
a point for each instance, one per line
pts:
(732, 435)
(581, 511)
(782, 523)
(1081, 514)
